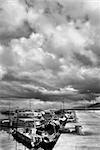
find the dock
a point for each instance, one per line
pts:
(90, 122)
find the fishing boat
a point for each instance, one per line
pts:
(36, 138)
(28, 138)
(5, 123)
(27, 134)
(74, 128)
(49, 135)
(42, 135)
(48, 141)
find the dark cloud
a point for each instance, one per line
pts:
(89, 85)
(49, 46)
(24, 31)
(83, 60)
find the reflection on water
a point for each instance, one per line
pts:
(6, 140)
(8, 143)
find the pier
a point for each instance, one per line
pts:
(90, 121)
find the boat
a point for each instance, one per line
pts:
(72, 127)
(5, 123)
(49, 134)
(27, 138)
(45, 137)
(48, 141)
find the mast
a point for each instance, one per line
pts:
(10, 119)
(16, 118)
(30, 104)
(9, 113)
(63, 105)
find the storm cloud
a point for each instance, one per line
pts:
(50, 45)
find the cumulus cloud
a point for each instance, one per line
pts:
(51, 42)
(2, 72)
(13, 20)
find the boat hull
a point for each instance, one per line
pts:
(26, 141)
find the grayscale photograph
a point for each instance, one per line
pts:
(49, 74)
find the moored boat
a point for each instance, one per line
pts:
(28, 139)
(49, 141)
(35, 138)
(75, 128)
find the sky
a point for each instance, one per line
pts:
(51, 46)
